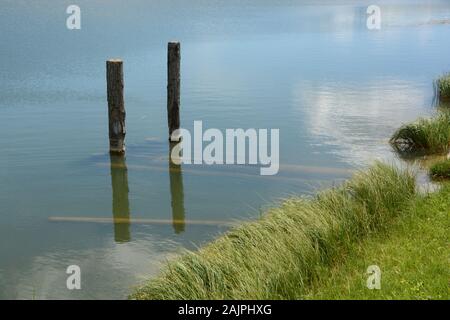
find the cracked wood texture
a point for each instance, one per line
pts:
(116, 106)
(173, 88)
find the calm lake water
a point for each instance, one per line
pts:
(335, 89)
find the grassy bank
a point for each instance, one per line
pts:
(425, 136)
(320, 248)
(412, 255)
(283, 253)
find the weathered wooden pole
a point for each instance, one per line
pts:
(173, 88)
(116, 106)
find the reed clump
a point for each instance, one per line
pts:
(277, 256)
(443, 87)
(424, 136)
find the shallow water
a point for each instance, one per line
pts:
(312, 69)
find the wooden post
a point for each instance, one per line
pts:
(116, 106)
(173, 88)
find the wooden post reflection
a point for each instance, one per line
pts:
(176, 194)
(121, 206)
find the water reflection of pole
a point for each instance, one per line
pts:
(121, 206)
(177, 194)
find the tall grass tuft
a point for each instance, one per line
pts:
(441, 170)
(277, 256)
(443, 87)
(425, 136)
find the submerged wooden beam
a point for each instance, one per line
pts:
(212, 172)
(173, 88)
(140, 221)
(116, 106)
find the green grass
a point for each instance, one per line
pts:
(280, 255)
(441, 170)
(425, 136)
(443, 87)
(412, 255)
